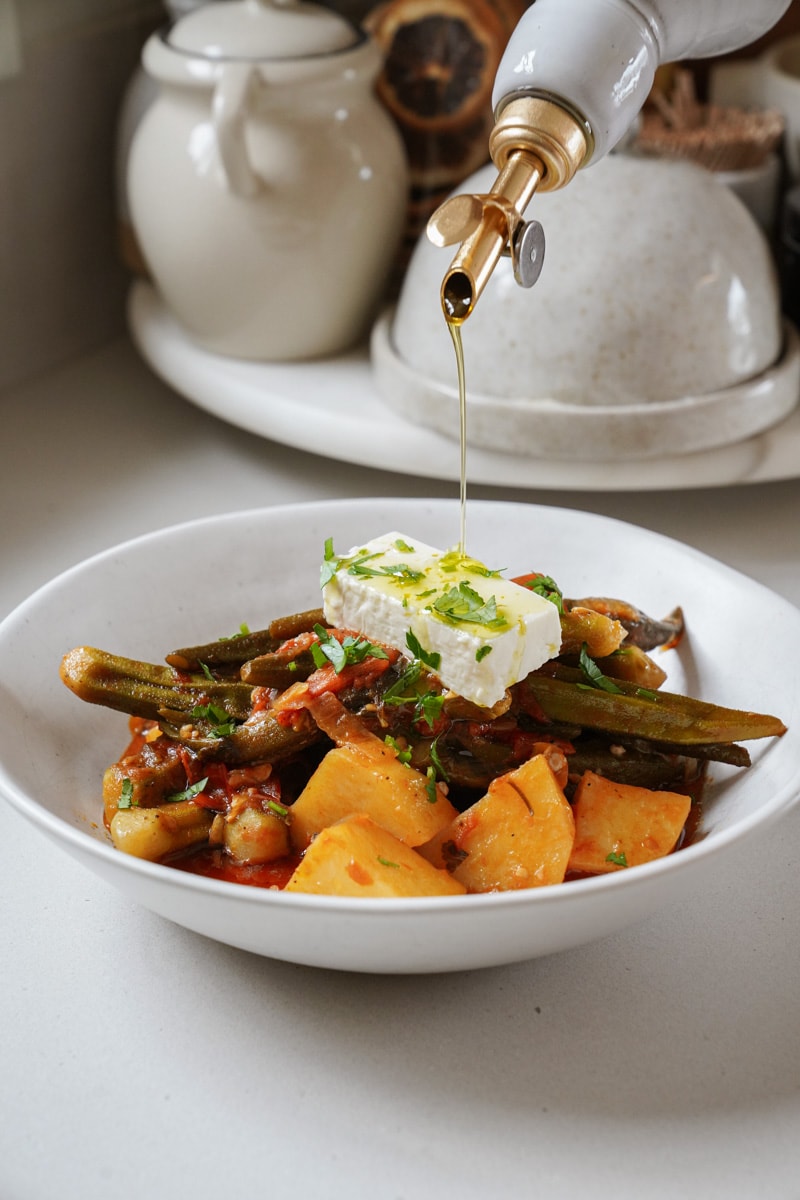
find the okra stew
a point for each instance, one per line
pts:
(313, 759)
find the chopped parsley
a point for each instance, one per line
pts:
(548, 589)
(618, 859)
(206, 671)
(403, 756)
(358, 565)
(330, 564)
(594, 676)
(188, 793)
(276, 808)
(398, 572)
(431, 658)
(427, 705)
(126, 794)
(386, 862)
(403, 547)
(437, 762)
(342, 653)
(430, 707)
(400, 691)
(481, 652)
(430, 786)
(463, 603)
(222, 725)
(244, 630)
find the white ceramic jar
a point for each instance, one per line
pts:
(267, 185)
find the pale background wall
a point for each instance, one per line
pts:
(64, 65)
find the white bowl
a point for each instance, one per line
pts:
(654, 328)
(197, 581)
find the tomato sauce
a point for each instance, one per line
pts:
(215, 863)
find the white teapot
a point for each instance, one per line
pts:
(267, 185)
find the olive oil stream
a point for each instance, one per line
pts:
(454, 329)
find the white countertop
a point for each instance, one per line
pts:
(138, 1059)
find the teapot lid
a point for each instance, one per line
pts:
(259, 29)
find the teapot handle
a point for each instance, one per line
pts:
(229, 111)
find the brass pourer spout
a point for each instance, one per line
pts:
(535, 143)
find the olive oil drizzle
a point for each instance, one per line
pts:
(454, 329)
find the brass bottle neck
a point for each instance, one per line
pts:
(536, 143)
(543, 127)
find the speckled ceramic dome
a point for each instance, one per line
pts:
(655, 326)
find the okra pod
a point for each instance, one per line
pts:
(562, 694)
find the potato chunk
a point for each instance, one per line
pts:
(255, 836)
(369, 778)
(618, 825)
(519, 835)
(153, 833)
(355, 857)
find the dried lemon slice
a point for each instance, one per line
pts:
(440, 60)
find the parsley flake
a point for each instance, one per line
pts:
(243, 632)
(463, 603)
(126, 794)
(437, 762)
(481, 652)
(330, 564)
(593, 675)
(548, 589)
(403, 756)
(386, 862)
(427, 705)
(618, 859)
(430, 658)
(342, 653)
(188, 793)
(430, 786)
(222, 725)
(399, 572)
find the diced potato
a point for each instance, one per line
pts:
(153, 833)
(255, 836)
(618, 825)
(519, 835)
(369, 778)
(355, 857)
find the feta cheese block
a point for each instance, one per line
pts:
(478, 632)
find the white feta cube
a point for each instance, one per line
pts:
(487, 631)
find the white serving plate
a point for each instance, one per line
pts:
(201, 580)
(332, 407)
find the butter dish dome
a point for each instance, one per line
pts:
(655, 327)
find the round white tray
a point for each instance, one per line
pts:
(331, 407)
